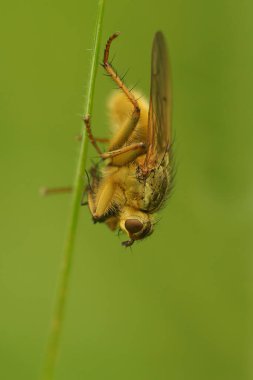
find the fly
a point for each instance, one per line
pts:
(132, 184)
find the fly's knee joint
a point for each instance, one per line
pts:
(136, 113)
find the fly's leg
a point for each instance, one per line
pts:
(106, 194)
(102, 140)
(123, 133)
(113, 74)
(55, 190)
(63, 190)
(125, 155)
(104, 199)
(97, 139)
(44, 191)
(90, 135)
(125, 149)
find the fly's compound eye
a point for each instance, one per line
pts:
(133, 226)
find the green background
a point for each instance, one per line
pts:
(179, 305)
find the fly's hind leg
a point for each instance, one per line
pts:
(119, 154)
(125, 131)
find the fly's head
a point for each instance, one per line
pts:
(136, 224)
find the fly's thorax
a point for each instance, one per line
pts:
(136, 224)
(156, 185)
(125, 179)
(133, 188)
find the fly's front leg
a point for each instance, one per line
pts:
(101, 202)
(123, 133)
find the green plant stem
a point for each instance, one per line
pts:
(58, 316)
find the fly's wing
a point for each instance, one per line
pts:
(159, 120)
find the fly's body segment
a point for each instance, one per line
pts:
(135, 178)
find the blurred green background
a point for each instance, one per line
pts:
(179, 305)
